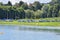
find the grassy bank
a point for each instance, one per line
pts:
(41, 22)
(32, 23)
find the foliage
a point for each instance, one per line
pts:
(35, 10)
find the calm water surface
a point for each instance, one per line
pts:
(10, 32)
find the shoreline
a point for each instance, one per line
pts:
(34, 28)
(54, 24)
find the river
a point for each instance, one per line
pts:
(14, 32)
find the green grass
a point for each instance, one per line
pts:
(15, 22)
(31, 23)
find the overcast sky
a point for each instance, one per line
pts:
(28, 1)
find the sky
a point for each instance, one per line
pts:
(28, 1)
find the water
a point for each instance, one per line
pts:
(10, 32)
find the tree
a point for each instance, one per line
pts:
(21, 3)
(16, 4)
(45, 10)
(21, 12)
(55, 2)
(36, 10)
(38, 14)
(29, 14)
(37, 5)
(55, 10)
(59, 13)
(31, 7)
(25, 6)
(1, 3)
(9, 3)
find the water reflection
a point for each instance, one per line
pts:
(13, 32)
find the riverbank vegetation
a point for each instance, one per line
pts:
(33, 22)
(40, 14)
(55, 24)
(34, 10)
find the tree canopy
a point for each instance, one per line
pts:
(35, 10)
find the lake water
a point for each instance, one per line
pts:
(10, 32)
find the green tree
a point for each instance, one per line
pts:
(37, 5)
(21, 3)
(45, 10)
(9, 3)
(38, 14)
(29, 14)
(1, 3)
(25, 6)
(59, 13)
(31, 7)
(21, 12)
(54, 2)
